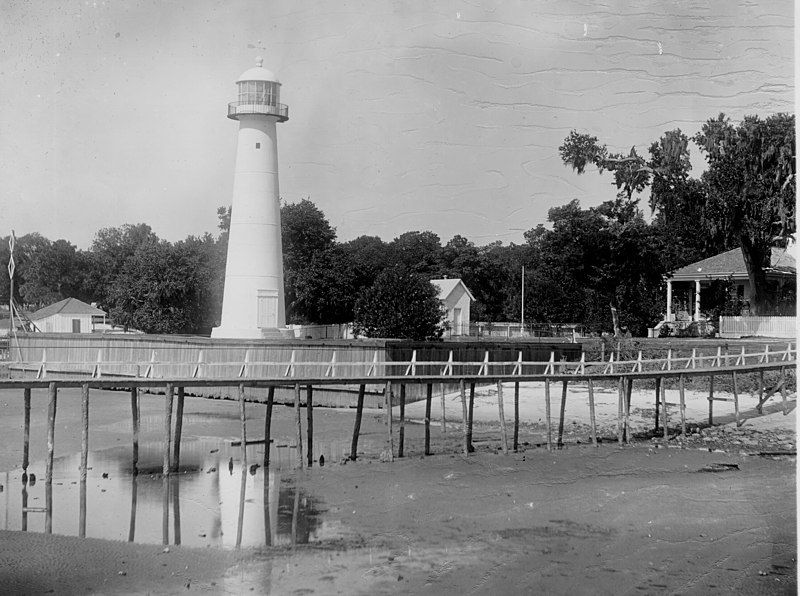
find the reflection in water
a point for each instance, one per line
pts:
(210, 506)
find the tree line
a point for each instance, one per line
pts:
(583, 262)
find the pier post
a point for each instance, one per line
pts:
(658, 398)
(298, 422)
(682, 397)
(357, 425)
(736, 399)
(547, 414)
(503, 432)
(268, 427)
(561, 416)
(51, 437)
(664, 411)
(310, 424)
(389, 430)
(464, 415)
(711, 401)
(516, 416)
(26, 436)
(628, 395)
(135, 427)
(176, 448)
(592, 418)
(470, 409)
(167, 433)
(243, 424)
(428, 399)
(401, 443)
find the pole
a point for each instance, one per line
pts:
(428, 399)
(135, 427)
(268, 427)
(310, 424)
(357, 425)
(522, 306)
(167, 438)
(176, 447)
(27, 430)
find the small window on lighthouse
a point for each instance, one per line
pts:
(258, 145)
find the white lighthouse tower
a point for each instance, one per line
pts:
(253, 303)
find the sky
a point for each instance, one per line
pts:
(404, 115)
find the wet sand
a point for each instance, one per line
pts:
(639, 519)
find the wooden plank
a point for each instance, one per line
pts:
(658, 400)
(470, 407)
(84, 432)
(620, 408)
(682, 393)
(243, 426)
(664, 411)
(51, 430)
(388, 397)
(711, 401)
(736, 399)
(628, 395)
(444, 420)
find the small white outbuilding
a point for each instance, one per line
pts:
(456, 298)
(68, 316)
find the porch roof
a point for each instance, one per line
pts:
(730, 264)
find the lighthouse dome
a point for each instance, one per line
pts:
(258, 73)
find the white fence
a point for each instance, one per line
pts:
(758, 326)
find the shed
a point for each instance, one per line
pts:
(456, 298)
(68, 316)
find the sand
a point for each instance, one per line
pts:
(647, 518)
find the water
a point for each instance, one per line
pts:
(212, 501)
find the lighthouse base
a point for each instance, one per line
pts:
(251, 333)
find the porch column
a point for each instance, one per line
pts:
(696, 300)
(669, 300)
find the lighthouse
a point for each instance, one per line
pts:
(253, 304)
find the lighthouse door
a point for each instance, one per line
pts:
(267, 309)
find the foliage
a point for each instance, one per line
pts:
(324, 289)
(400, 304)
(751, 182)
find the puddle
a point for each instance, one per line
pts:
(213, 501)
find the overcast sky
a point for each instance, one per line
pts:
(442, 116)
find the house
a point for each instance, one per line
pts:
(683, 300)
(456, 298)
(68, 316)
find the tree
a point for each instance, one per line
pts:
(305, 233)
(55, 271)
(325, 288)
(368, 255)
(419, 252)
(751, 180)
(401, 304)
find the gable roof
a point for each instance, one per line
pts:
(731, 264)
(68, 306)
(446, 287)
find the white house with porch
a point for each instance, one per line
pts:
(456, 298)
(683, 304)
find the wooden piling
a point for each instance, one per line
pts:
(389, 430)
(470, 408)
(165, 509)
(26, 437)
(357, 425)
(167, 434)
(299, 433)
(658, 399)
(516, 415)
(243, 425)
(428, 400)
(48, 503)
(464, 415)
(682, 397)
(82, 510)
(310, 424)
(176, 447)
(760, 390)
(736, 399)
(711, 401)
(401, 442)
(132, 522)
(176, 511)
(664, 411)
(444, 421)
(240, 516)
(561, 415)
(51, 431)
(547, 414)
(135, 427)
(782, 381)
(503, 433)
(592, 418)
(620, 408)
(84, 431)
(268, 427)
